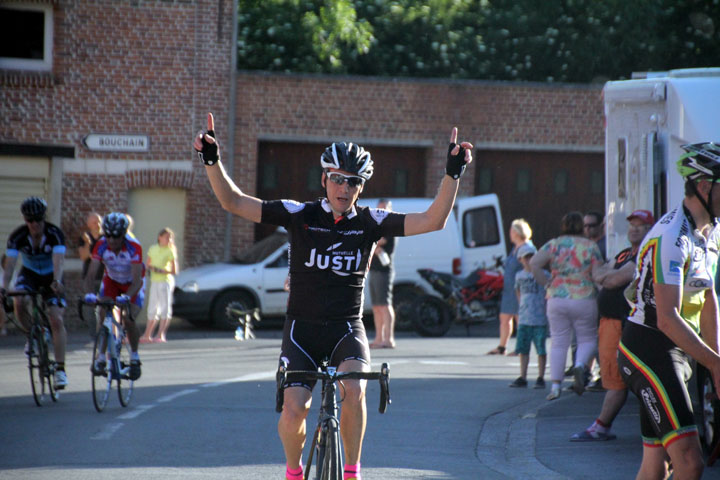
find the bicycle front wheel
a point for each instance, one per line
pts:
(329, 457)
(101, 379)
(125, 389)
(36, 365)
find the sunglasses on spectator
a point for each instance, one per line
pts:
(36, 219)
(591, 225)
(339, 179)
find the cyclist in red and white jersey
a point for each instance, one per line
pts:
(123, 281)
(674, 318)
(331, 244)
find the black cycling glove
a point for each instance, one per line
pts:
(209, 154)
(455, 163)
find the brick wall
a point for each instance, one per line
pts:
(149, 67)
(406, 111)
(156, 67)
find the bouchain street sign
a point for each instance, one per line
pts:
(110, 142)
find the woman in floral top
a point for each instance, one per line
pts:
(571, 293)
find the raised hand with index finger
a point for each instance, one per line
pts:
(458, 157)
(206, 144)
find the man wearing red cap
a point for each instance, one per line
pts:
(614, 309)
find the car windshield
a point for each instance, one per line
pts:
(260, 251)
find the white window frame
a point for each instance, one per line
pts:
(27, 64)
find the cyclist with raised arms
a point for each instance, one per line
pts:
(42, 248)
(122, 257)
(674, 318)
(331, 244)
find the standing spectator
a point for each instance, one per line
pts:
(532, 319)
(594, 229)
(162, 264)
(381, 280)
(3, 316)
(520, 234)
(614, 309)
(571, 304)
(87, 241)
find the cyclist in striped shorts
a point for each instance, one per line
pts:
(674, 318)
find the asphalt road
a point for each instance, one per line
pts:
(204, 408)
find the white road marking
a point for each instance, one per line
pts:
(108, 432)
(440, 362)
(173, 396)
(250, 377)
(136, 412)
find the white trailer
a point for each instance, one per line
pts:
(647, 119)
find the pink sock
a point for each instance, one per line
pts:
(352, 471)
(294, 473)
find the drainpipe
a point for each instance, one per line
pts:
(230, 158)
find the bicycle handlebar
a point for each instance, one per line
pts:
(285, 376)
(102, 303)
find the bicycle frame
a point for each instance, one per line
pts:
(41, 367)
(329, 462)
(109, 341)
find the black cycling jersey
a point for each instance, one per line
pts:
(37, 259)
(329, 259)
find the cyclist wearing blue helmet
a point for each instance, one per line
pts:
(674, 318)
(332, 242)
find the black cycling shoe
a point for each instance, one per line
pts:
(134, 373)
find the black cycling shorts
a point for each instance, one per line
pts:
(305, 345)
(657, 372)
(29, 280)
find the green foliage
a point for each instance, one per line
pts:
(548, 40)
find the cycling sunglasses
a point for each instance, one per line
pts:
(339, 179)
(35, 219)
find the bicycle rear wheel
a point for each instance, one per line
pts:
(125, 390)
(36, 366)
(329, 456)
(101, 380)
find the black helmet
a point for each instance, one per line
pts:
(115, 224)
(700, 160)
(349, 157)
(33, 207)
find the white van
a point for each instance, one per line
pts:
(472, 238)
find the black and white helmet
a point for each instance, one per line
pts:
(115, 224)
(33, 207)
(349, 157)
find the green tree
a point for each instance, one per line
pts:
(546, 41)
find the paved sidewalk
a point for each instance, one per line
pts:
(557, 420)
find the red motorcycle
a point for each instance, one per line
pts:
(473, 299)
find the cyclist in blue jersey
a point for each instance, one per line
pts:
(331, 244)
(41, 245)
(674, 318)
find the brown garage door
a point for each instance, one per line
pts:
(542, 186)
(292, 170)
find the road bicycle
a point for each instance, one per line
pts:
(41, 362)
(326, 444)
(110, 340)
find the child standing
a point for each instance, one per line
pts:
(532, 319)
(162, 264)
